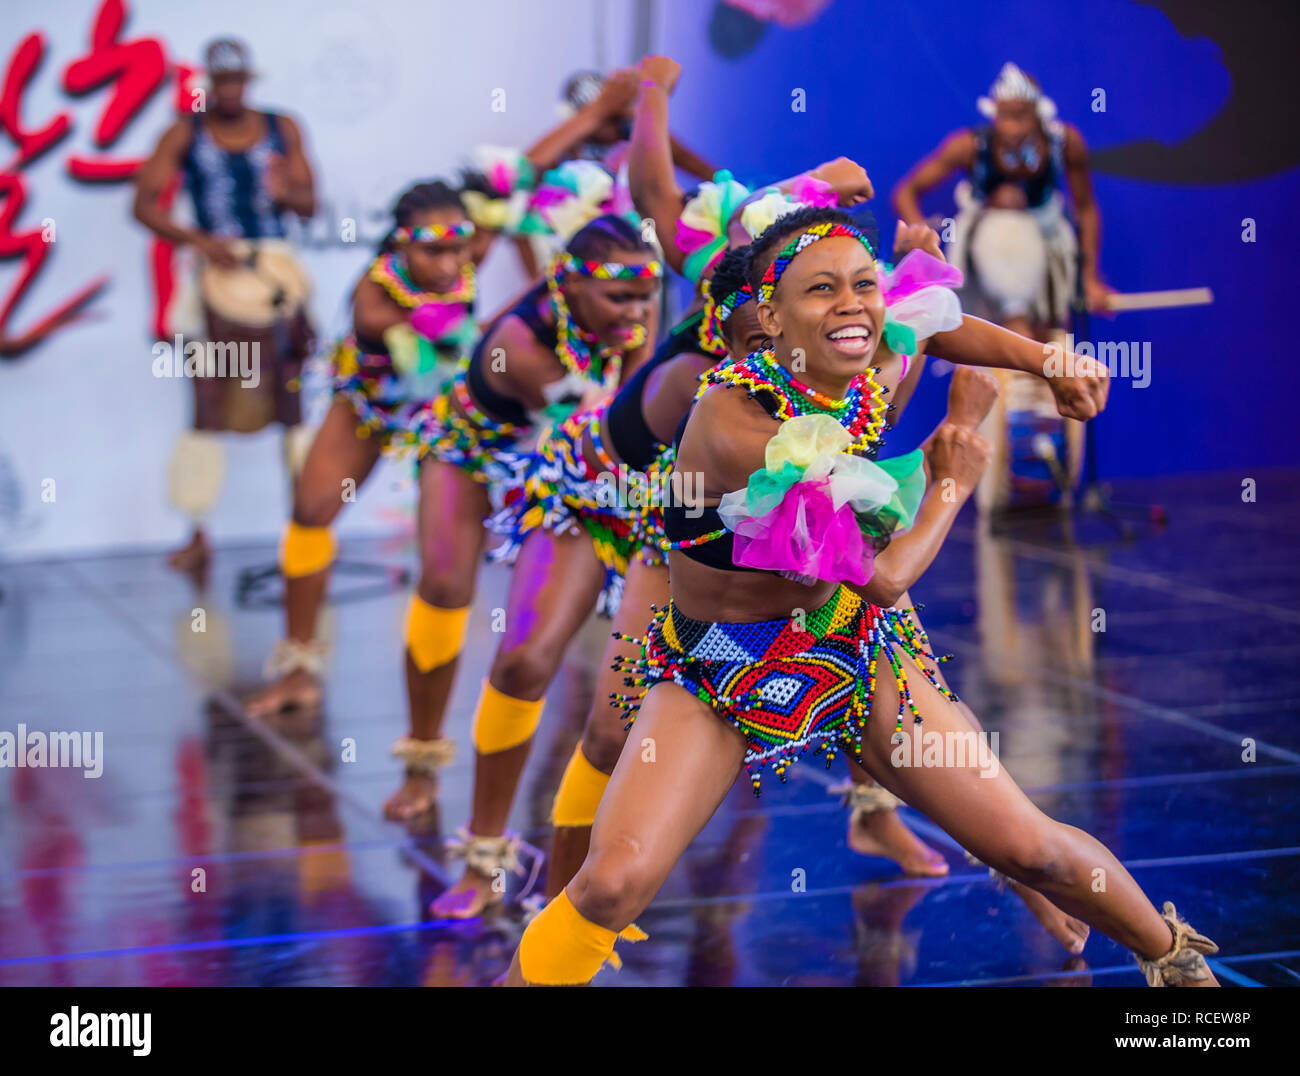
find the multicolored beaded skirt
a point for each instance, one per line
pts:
(787, 687)
(482, 447)
(564, 494)
(380, 398)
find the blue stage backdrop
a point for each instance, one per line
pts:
(1197, 142)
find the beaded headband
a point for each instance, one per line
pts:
(825, 230)
(716, 313)
(462, 229)
(611, 270)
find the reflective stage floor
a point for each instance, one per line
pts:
(215, 852)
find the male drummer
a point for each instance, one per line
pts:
(244, 170)
(1011, 236)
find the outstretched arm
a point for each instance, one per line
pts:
(559, 143)
(956, 152)
(650, 175)
(1079, 384)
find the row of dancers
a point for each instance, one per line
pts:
(752, 549)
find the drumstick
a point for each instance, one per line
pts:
(1159, 300)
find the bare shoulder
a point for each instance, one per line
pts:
(1076, 149)
(959, 147)
(290, 128)
(517, 363)
(726, 438)
(373, 309)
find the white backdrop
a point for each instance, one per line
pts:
(386, 92)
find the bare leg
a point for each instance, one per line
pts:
(1072, 933)
(337, 456)
(994, 819)
(671, 777)
(553, 590)
(451, 536)
(603, 736)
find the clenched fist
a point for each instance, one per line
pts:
(916, 237)
(663, 70)
(1080, 384)
(849, 179)
(970, 396)
(618, 93)
(957, 453)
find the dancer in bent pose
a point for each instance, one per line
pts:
(736, 679)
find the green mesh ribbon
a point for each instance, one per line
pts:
(901, 510)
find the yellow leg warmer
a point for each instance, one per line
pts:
(562, 948)
(433, 635)
(305, 550)
(579, 793)
(502, 722)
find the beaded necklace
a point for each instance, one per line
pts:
(389, 271)
(574, 347)
(861, 412)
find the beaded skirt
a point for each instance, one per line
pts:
(482, 447)
(787, 687)
(562, 493)
(380, 398)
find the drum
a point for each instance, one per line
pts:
(256, 311)
(1037, 457)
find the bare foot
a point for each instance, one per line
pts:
(299, 689)
(193, 557)
(417, 796)
(469, 897)
(1070, 932)
(882, 833)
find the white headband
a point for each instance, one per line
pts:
(1012, 84)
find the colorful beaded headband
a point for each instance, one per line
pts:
(826, 230)
(716, 314)
(733, 302)
(462, 229)
(611, 270)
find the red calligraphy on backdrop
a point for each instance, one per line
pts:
(135, 69)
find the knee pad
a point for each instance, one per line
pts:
(579, 793)
(195, 474)
(305, 550)
(563, 948)
(502, 722)
(433, 635)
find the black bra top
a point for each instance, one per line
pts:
(629, 435)
(499, 406)
(682, 522)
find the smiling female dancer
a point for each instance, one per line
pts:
(575, 531)
(730, 662)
